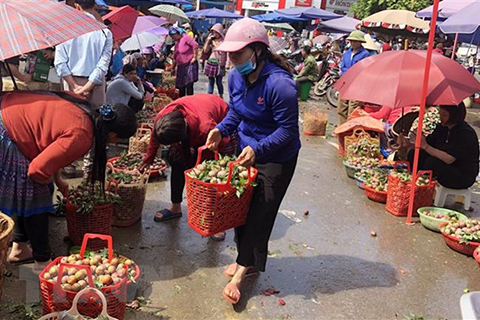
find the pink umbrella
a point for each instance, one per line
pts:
(394, 79)
(147, 23)
(122, 21)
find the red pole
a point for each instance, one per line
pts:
(423, 103)
(454, 46)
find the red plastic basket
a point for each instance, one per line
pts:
(398, 194)
(55, 299)
(372, 194)
(215, 207)
(454, 243)
(153, 173)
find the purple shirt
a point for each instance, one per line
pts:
(184, 50)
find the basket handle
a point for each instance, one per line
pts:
(401, 162)
(114, 183)
(200, 152)
(313, 109)
(230, 173)
(319, 113)
(56, 285)
(74, 308)
(105, 237)
(427, 172)
(358, 131)
(145, 131)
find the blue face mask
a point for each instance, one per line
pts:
(246, 68)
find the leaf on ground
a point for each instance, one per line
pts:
(274, 253)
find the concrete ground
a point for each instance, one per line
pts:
(325, 265)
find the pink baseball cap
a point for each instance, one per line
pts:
(242, 33)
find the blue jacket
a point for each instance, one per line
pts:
(348, 61)
(265, 114)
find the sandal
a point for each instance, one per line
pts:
(234, 291)
(166, 215)
(219, 236)
(23, 261)
(251, 271)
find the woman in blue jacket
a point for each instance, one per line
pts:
(263, 108)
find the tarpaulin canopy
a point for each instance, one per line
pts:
(276, 17)
(465, 22)
(446, 9)
(213, 13)
(308, 13)
(340, 25)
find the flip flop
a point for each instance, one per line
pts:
(23, 261)
(166, 215)
(251, 271)
(219, 238)
(232, 288)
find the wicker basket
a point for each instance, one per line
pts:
(138, 143)
(315, 122)
(129, 210)
(358, 135)
(6, 229)
(399, 195)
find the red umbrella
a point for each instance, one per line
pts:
(395, 79)
(29, 25)
(123, 20)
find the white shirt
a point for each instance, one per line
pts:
(85, 56)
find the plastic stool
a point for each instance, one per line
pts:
(443, 192)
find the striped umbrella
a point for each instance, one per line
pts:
(29, 25)
(169, 12)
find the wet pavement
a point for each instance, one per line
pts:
(325, 265)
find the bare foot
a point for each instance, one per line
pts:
(232, 292)
(20, 252)
(230, 270)
(39, 266)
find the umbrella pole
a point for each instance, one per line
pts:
(11, 75)
(454, 46)
(406, 44)
(423, 103)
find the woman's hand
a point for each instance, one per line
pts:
(423, 143)
(143, 166)
(61, 184)
(247, 157)
(213, 139)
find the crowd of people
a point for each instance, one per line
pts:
(97, 90)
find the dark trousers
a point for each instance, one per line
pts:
(252, 238)
(135, 104)
(35, 230)
(186, 91)
(178, 166)
(447, 175)
(211, 85)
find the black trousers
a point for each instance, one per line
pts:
(178, 165)
(35, 230)
(252, 238)
(447, 175)
(186, 91)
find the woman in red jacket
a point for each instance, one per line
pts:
(183, 126)
(40, 133)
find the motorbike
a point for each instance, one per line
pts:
(328, 74)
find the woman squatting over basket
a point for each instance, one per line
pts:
(183, 126)
(35, 145)
(264, 109)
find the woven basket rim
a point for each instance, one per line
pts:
(6, 233)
